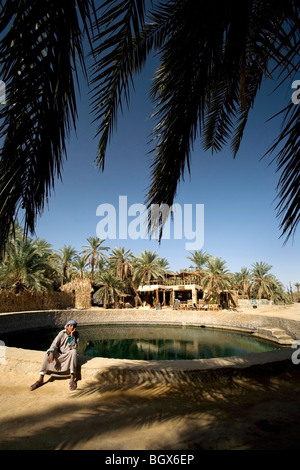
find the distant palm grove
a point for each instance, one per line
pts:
(31, 264)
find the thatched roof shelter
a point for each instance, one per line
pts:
(82, 291)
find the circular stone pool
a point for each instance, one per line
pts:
(148, 342)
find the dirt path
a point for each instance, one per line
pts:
(262, 413)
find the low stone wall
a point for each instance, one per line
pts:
(122, 372)
(28, 362)
(248, 303)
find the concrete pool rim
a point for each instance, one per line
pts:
(28, 361)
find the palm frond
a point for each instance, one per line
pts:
(288, 163)
(214, 56)
(41, 51)
(208, 81)
(190, 62)
(117, 29)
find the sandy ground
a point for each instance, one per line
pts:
(243, 413)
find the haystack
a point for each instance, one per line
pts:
(82, 290)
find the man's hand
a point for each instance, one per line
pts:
(72, 332)
(50, 357)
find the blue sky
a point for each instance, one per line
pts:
(238, 195)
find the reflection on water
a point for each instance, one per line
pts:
(150, 342)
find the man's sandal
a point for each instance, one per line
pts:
(36, 385)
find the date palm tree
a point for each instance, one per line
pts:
(217, 278)
(164, 264)
(120, 261)
(93, 252)
(199, 261)
(65, 257)
(28, 265)
(264, 284)
(80, 264)
(111, 288)
(241, 281)
(148, 266)
(213, 57)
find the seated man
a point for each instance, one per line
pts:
(62, 355)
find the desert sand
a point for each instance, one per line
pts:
(244, 413)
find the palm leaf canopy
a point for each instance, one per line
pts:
(40, 52)
(28, 264)
(213, 57)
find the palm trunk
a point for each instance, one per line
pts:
(64, 274)
(92, 268)
(105, 299)
(136, 292)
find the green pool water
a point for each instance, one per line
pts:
(147, 342)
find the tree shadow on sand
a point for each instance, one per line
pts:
(249, 409)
